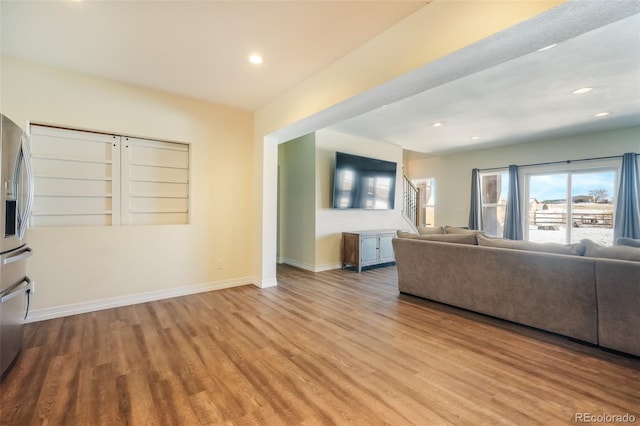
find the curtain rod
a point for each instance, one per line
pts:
(554, 162)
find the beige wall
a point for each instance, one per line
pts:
(434, 31)
(233, 220)
(78, 267)
(310, 230)
(330, 223)
(297, 216)
(453, 172)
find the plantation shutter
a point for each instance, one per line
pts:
(94, 179)
(155, 182)
(76, 177)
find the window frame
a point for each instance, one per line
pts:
(569, 168)
(492, 172)
(428, 182)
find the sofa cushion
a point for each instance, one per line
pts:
(568, 249)
(624, 241)
(424, 230)
(458, 230)
(611, 252)
(453, 238)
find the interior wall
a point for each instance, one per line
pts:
(90, 266)
(297, 216)
(452, 172)
(309, 106)
(330, 222)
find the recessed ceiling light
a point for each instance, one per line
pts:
(582, 90)
(475, 138)
(602, 114)
(438, 124)
(255, 59)
(551, 46)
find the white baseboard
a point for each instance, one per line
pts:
(115, 302)
(271, 282)
(298, 264)
(328, 267)
(309, 267)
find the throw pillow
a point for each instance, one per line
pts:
(424, 230)
(611, 252)
(554, 248)
(624, 241)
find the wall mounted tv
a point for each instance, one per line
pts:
(363, 183)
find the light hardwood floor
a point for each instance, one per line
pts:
(328, 348)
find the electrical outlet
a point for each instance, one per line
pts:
(219, 264)
(33, 287)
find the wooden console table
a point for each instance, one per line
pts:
(367, 248)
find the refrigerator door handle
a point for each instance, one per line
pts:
(22, 287)
(21, 255)
(26, 159)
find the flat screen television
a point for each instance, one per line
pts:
(363, 183)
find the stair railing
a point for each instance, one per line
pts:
(411, 201)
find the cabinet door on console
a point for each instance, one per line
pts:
(369, 252)
(386, 248)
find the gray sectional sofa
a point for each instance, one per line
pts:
(549, 286)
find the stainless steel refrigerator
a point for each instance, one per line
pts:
(15, 206)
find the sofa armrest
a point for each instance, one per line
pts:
(618, 289)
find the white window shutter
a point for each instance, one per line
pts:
(155, 182)
(92, 179)
(74, 177)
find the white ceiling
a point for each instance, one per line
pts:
(520, 100)
(200, 49)
(196, 48)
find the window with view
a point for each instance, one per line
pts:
(494, 191)
(566, 206)
(427, 188)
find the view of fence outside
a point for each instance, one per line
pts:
(591, 207)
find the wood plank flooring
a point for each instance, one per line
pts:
(328, 348)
